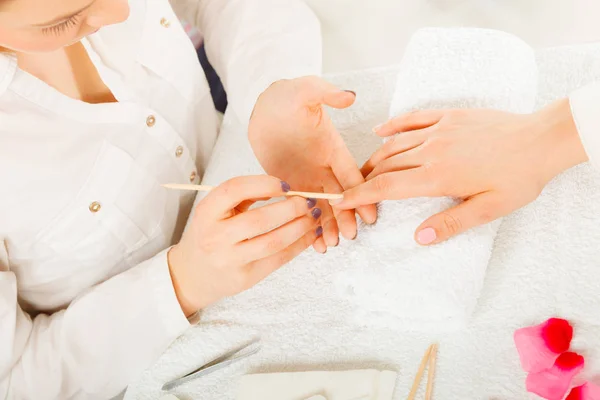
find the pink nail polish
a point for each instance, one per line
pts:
(426, 236)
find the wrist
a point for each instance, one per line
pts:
(560, 145)
(175, 261)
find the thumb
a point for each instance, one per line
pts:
(327, 93)
(477, 210)
(339, 98)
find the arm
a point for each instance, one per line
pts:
(97, 346)
(108, 335)
(253, 43)
(585, 107)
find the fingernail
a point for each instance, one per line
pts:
(350, 91)
(311, 203)
(319, 231)
(377, 128)
(285, 187)
(426, 236)
(335, 202)
(316, 213)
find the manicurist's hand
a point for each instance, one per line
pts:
(294, 138)
(496, 161)
(228, 248)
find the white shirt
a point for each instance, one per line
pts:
(86, 299)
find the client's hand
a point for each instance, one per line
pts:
(228, 248)
(496, 161)
(294, 138)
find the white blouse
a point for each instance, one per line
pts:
(86, 299)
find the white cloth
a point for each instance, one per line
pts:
(585, 106)
(434, 289)
(330, 385)
(544, 263)
(86, 299)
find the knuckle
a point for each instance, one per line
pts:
(486, 215)
(436, 144)
(451, 223)
(412, 114)
(228, 186)
(273, 244)
(383, 183)
(489, 212)
(431, 175)
(298, 207)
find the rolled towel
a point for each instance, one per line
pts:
(435, 289)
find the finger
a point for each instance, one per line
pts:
(477, 210)
(319, 245)
(234, 192)
(409, 122)
(390, 186)
(345, 219)
(327, 93)
(245, 205)
(331, 233)
(266, 218)
(260, 269)
(396, 145)
(348, 175)
(400, 162)
(276, 240)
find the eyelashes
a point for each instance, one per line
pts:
(63, 27)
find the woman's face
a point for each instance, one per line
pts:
(39, 26)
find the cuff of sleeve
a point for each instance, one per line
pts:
(166, 299)
(585, 107)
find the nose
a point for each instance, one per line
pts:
(107, 12)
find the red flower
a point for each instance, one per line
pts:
(554, 383)
(587, 391)
(539, 346)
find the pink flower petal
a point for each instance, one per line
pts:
(539, 346)
(587, 391)
(553, 383)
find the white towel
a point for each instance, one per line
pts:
(544, 263)
(436, 288)
(329, 385)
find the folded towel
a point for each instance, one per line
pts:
(436, 288)
(335, 385)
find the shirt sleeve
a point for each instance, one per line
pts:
(585, 107)
(101, 343)
(253, 43)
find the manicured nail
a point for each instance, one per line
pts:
(377, 128)
(351, 91)
(311, 203)
(285, 187)
(319, 231)
(316, 213)
(426, 236)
